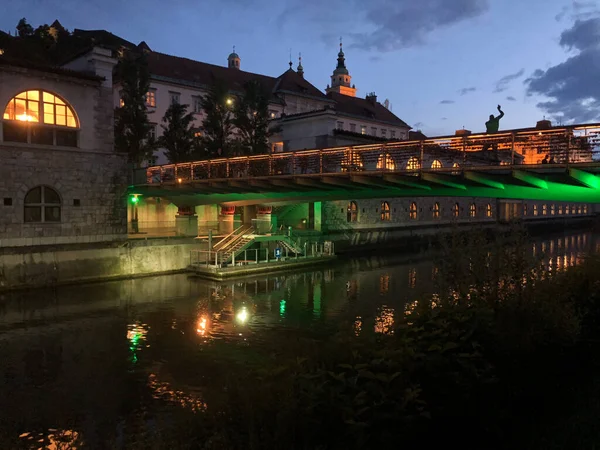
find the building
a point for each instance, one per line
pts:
(60, 179)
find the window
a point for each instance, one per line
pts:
(363, 129)
(436, 164)
(456, 210)
(151, 98)
(386, 162)
(373, 131)
(197, 104)
(524, 209)
(535, 210)
(42, 204)
(436, 210)
(353, 127)
(472, 210)
(413, 163)
(39, 117)
(456, 166)
(560, 210)
(352, 212)
(488, 210)
(340, 125)
(152, 132)
(385, 212)
(272, 114)
(7, 201)
(393, 134)
(579, 209)
(585, 209)
(383, 133)
(352, 162)
(552, 209)
(174, 97)
(544, 209)
(412, 212)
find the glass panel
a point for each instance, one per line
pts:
(66, 138)
(58, 101)
(48, 97)
(34, 195)
(51, 196)
(61, 110)
(48, 113)
(33, 95)
(44, 136)
(9, 112)
(33, 214)
(52, 214)
(33, 106)
(70, 119)
(61, 120)
(22, 95)
(20, 108)
(14, 132)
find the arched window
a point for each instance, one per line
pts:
(352, 214)
(535, 210)
(456, 210)
(552, 209)
(579, 209)
(544, 209)
(386, 162)
(413, 163)
(456, 166)
(352, 161)
(40, 117)
(560, 210)
(567, 209)
(436, 164)
(42, 204)
(412, 212)
(472, 210)
(436, 210)
(488, 210)
(585, 209)
(385, 212)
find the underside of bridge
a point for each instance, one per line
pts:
(558, 182)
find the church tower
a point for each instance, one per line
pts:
(233, 60)
(340, 80)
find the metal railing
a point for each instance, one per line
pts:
(560, 145)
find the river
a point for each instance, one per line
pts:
(76, 361)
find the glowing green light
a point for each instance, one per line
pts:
(134, 199)
(282, 307)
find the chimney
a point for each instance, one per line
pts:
(463, 132)
(543, 124)
(371, 97)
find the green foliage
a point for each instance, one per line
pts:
(178, 136)
(24, 29)
(217, 125)
(251, 118)
(132, 128)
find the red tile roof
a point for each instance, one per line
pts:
(363, 108)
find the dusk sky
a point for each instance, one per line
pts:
(443, 64)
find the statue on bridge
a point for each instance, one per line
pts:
(493, 124)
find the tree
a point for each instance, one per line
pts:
(24, 29)
(252, 119)
(218, 123)
(178, 135)
(132, 129)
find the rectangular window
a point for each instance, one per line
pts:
(33, 213)
(340, 125)
(373, 131)
(152, 132)
(363, 129)
(393, 134)
(14, 132)
(383, 133)
(353, 127)
(174, 98)
(66, 138)
(7, 201)
(197, 104)
(151, 98)
(43, 136)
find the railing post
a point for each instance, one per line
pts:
(248, 167)
(320, 161)
(233, 258)
(256, 255)
(176, 172)
(293, 163)
(512, 149)
(421, 153)
(568, 147)
(216, 259)
(270, 164)
(227, 168)
(245, 255)
(208, 170)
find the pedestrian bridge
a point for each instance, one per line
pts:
(559, 163)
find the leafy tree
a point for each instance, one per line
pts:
(252, 119)
(132, 129)
(178, 135)
(218, 121)
(24, 29)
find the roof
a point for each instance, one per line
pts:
(368, 109)
(7, 61)
(104, 38)
(292, 81)
(416, 136)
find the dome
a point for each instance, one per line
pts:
(233, 55)
(341, 71)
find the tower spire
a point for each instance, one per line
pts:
(290, 63)
(340, 80)
(300, 69)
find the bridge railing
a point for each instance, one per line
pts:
(561, 145)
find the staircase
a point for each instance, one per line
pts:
(237, 247)
(282, 211)
(291, 245)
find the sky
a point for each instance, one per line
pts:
(443, 64)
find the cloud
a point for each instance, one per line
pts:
(571, 88)
(578, 10)
(446, 102)
(375, 58)
(467, 90)
(503, 83)
(510, 98)
(444, 118)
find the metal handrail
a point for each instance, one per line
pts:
(222, 241)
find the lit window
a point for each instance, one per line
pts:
(151, 98)
(39, 117)
(544, 209)
(579, 209)
(488, 210)
(174, 98)
(272, 114)
(383, 133)
(560, 210)
(567, 209)
(385, 212)
(436, 210)
(42, 204)
(412, 212)
(386, 162)
(413, 163)
(535, 210)
(552, 209)
(524, 209)
(373, 131)
(393, 134)
(456, 210)
(352, 161)
(456, 166)
(436, 164)
(198, 134)
(585, 209)
(197, 104)
(340, 125)
(363, 129)
(472, 210)
(352, 212)
(353, 127)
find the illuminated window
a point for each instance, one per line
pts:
(363, 129)
(456, 210)
(544, 209)
(436, 164)
(579, 209)
(488, 210)
(151, 98)
(386, 162)
(385, 212)
(567, 209)
(472, 210)
(585, 209)
(39, 117)
(552, 209)
(436, 210)
(42, 204)
(456, 166)
(524, 209)
(413, 163)
(352, 161)
(535, 210)
(352, 212)
(560, 210)
(412, 212)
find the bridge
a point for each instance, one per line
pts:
(507, 165)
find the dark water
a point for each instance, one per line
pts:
(75, 362)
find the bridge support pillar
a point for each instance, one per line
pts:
(228, 219)
(186, 221)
